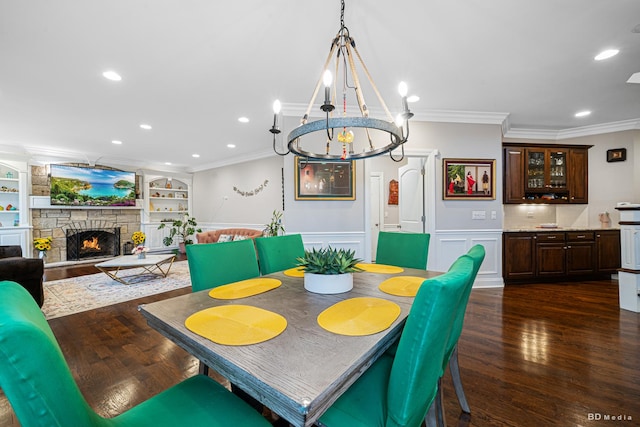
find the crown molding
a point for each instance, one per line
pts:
(577, 132)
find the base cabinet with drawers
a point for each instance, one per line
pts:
(529, 256)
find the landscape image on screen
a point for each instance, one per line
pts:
(81, 186)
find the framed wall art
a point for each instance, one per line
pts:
(469, 179)
(617, 155)
(325, 180)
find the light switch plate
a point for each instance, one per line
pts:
(478, 214)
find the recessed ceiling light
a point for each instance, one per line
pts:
(115, 141)
(231, 145)
(167, 163)
(112, 75)
(413, 98)
(145, 126)
(606, 54)
(243, 119)
(583, 113)
(195, 155)
(635, 78)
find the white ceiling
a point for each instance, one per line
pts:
(190, 68)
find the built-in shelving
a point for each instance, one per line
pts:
(9, 197)
(166, 199)
(14, 213)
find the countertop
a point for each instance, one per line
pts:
(527, 229)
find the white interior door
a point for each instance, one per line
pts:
(376, 181)
(411, 196)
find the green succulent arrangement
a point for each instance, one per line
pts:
(329, 261)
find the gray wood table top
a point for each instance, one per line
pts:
(302, 371)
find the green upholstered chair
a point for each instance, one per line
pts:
(477, 254)
(279, 252)
(216, 264)
(399, 390)
(42, 391)
(403, 249)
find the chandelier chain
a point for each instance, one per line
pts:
(347, 58)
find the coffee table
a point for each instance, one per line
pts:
(152, 265)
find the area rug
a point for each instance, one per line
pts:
(69, 296)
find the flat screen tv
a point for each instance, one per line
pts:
(86, 186)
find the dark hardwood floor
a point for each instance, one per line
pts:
(531, 355)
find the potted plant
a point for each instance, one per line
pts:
(328, 270)
(181, 230)
(275, 227)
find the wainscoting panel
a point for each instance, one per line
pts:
(444, 248)
(447, 245)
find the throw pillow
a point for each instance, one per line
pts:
(225, 238)
(239, 237)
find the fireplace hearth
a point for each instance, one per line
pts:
(85, 241)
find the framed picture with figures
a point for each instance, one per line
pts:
(469, 179)
(324, 180)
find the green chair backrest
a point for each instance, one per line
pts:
(417, 365)
(279, 253)
(216, 264)
(476, 255)
(408, 250)
(33, 372)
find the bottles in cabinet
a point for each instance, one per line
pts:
(546, 169)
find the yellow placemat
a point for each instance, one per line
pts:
(294, 272)
(403, 286)
(380, 268)
(244, 288)
(236, 324)
(359, 316)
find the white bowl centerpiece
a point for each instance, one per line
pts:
(328, 270)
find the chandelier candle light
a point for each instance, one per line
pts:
(343, 47)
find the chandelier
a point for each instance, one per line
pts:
(338, 140)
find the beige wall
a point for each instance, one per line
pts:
(609, 183)
(245, 193)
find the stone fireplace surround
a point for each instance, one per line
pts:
(54, 221)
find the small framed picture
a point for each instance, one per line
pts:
(325, 180)
(617, 155)
(469, 179)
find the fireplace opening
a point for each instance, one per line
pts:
(92, 243)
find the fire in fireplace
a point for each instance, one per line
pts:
(92, 242)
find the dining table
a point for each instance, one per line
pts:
(302, 370)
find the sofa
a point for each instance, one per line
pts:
(227, 235)
(27, 272)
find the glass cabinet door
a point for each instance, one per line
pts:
(546, 169)
(558, 169)
(535, 169)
